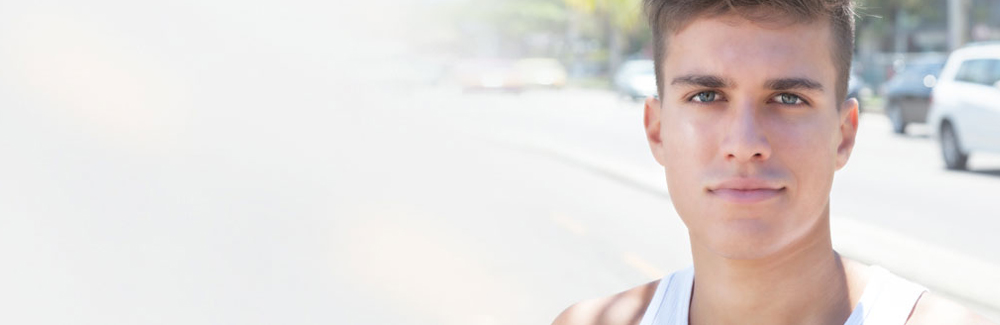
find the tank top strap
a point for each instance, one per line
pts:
(671, 301)
(887, 300)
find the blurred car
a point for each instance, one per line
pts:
(486, 74)
(965, 104)
(636, 79)
(541, 72)
(908, 93)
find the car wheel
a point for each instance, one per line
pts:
(896, 117)
(954, 158)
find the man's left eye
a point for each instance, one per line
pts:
(788, 99)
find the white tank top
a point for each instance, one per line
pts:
(887, 300)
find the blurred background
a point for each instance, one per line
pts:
(428, 161)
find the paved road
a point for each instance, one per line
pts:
(893, 181)
(894, 204)
(429, 208)
(237, 169)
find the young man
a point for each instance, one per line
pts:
(750, 126)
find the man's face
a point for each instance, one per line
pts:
(749, 132)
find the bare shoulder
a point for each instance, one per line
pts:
(934, 309)
(623, 308)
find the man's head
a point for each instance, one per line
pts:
(751, 123)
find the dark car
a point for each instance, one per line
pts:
(908, 93)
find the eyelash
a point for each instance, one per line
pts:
(802, 101)
(692, 98)
(717, 94)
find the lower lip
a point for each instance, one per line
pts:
(746, 196)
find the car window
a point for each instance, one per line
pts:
(925, 69)
(976, 71)
(994, 72)
(914, 73)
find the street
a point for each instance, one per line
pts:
(428, 207)
(262, 163)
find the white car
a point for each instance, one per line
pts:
(636, 79)
(965, 104)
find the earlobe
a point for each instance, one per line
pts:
(651, 123)
(848, 131)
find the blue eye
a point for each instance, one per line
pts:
(788, 99)
(705, 96)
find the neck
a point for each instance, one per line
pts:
(805, 283)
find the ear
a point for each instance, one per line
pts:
(848, 131)
(651, 122)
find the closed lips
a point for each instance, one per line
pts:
(746, 191)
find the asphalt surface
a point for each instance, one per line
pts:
(892, 181)
(231, 163)
(432, 207)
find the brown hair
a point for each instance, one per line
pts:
(668, 16)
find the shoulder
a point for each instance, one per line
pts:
(626, 307)
(934, 309)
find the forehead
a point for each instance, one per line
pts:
(736, 48)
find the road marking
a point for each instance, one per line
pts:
(569, 224)
(647, 269)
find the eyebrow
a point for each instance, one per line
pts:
(793, 83)
(706, 81)
(710, 81)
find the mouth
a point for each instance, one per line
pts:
(746, 191)
(746, 196)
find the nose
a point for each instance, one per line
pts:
(745, 140)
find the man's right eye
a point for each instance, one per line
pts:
(704, 97)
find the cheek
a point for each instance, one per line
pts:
(689, 146)
(679, 145)
(807, 151)
(689, 140)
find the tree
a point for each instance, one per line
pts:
(619, 18)
(893, 21)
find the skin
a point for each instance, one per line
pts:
(754, 103)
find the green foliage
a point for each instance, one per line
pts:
(887, 9)
(624, 15)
